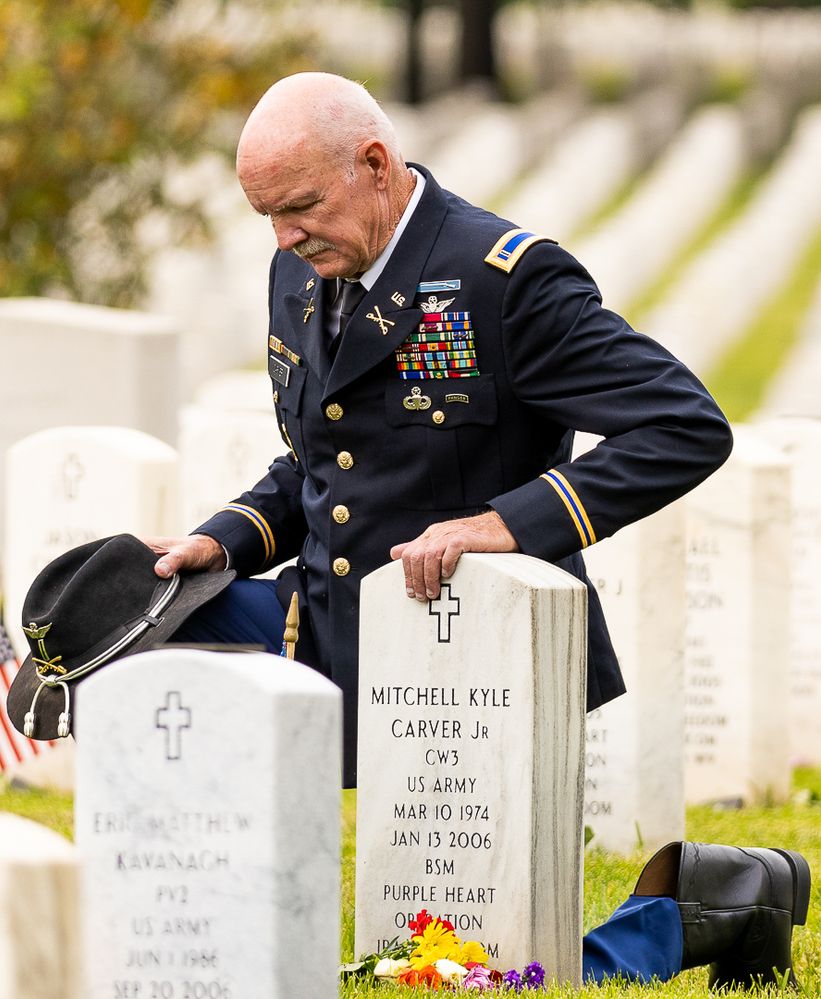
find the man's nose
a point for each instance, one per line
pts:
(288, 235)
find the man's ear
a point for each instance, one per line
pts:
(374, 156)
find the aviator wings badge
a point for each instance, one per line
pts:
(435, 304)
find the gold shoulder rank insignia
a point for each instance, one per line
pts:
(509, 250)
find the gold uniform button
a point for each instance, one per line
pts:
(334, 411)
(344, 459)
(438, 416)
(342, 566)
(341, 514)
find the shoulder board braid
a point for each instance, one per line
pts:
(509, 250)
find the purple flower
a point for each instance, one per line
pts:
(478, 979)
(533, 975)
(512, 980)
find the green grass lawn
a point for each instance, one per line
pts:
(608, 878)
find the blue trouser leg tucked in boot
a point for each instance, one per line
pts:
(643, 937)
(641, 940)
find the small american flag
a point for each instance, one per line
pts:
(14, 747)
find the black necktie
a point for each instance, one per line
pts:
(352, 294)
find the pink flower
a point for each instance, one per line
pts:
(478, 979)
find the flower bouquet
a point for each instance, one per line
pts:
(435, 957)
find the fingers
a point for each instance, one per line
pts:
(196, 553)
(422, 561)
(434, 555)
(171, 562)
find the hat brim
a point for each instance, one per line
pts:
(196, 589)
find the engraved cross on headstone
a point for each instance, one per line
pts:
(445, 606)
(173, 718)
(72, 472)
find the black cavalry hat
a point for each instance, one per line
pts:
(90, 606)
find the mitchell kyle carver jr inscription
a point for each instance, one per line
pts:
(443, 816)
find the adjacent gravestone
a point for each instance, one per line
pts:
(70, 485)
(471, 755)
(799, 440)
(737, 646)
(222, 453)
(207, 814)
(39, 916)
(246, 391)
(634, 777)
(65, 363)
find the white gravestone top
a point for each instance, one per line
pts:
(66, 363)
(799, 440)
(471, 715)
(238, 390)
(39, 918)
(737, 650)
(69, 485)
(222, 452)
(207, 814)
(634, 780)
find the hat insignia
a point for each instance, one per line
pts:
(37, 634)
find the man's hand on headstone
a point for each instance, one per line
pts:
(433, 555)
(195, 553)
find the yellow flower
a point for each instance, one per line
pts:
(433, 944)
(471, 950)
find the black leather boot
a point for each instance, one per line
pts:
(738, 906)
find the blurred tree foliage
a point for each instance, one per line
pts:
(97, 98)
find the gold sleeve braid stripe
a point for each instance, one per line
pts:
(574, 505)
(261, 525)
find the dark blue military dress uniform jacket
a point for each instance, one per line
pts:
(367, 471)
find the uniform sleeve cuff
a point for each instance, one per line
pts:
(245, 536)
(546, 517)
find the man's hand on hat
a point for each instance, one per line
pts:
(195, 553)
(433, 555)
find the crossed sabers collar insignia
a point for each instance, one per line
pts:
(377, 317)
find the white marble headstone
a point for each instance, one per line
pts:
(39, 915)
(222, 453)
(246, 391)
(207, 814)
(66, 363)
(471, 757)
(69, 485)
(634, 776)
(737, 637)
(800, 441)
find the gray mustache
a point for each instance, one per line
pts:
(311, 246)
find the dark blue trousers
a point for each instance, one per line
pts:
(643, 937)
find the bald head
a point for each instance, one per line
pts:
(320, 159)
(317, 114)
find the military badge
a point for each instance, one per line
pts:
(435, 304)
